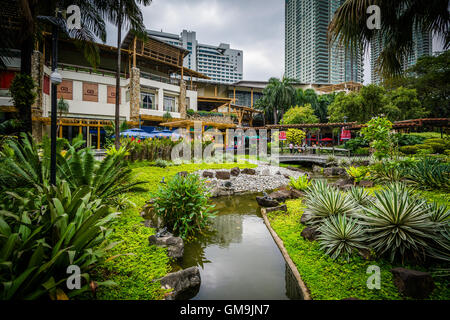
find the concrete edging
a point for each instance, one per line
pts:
(287, 258)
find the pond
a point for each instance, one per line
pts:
(239, 259)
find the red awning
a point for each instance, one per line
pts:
(326, 139)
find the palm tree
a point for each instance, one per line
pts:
(399, 19)
(280, 95)
(124, 13)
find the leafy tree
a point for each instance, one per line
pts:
(300, 115)
(23, 96)
(407, 104)
(430, 78)
(399, 20)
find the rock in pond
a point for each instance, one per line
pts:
(334, 171)
(412, 283)
(295, 194)
(281, 195)
(309, 233)
(267, 202)
(174, 245)
(223, 175)
(181, 281)
(279, 208)
(235, 172)
(249, 171)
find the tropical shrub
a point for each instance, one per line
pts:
(378, 132)
(362, 152)
(408, 139)
(409, 149)
(161, 163)
(183, 205)
(398, 224)
(358, 173)
(429, 173)
(332, 161)
(45, 232)
(296, 136)
(325, 201)
(302, 183)
(356, 143)
(341, 236)
(387, 172)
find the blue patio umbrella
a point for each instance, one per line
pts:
(135, 133)
(168, 134)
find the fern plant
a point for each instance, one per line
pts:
(340, 236)
(302, 183)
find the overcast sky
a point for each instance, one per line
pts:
(254, 26)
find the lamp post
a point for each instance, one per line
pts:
(55, 79)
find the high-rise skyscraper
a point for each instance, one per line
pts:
(309, 58)
(220, 63)
(423, 43)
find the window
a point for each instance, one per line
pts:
(148, 101)
(169, 104)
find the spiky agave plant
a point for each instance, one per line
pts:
(340, 236)
(360, 196)
(325, 201)
(438, 213)
(398, 223)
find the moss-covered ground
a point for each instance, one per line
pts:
(329, 279)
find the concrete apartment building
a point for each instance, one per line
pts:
(220, 63)
(423, 46)
(308, 56)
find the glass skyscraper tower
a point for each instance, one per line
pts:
(309, 58)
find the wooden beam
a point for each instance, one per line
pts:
(251, 104)
(98, 136)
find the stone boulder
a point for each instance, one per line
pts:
(306, 217)
(279, 208)
(343, 182)
(281, 195)
(174, 245)
(334, 171)
(366, 184)
(309, 233)
(317, 169)
(223, 175)
(295, 194)
(181, 281)
(412, 283)
(249, 171)
(208, 174)
(235, 172)
(267, 202)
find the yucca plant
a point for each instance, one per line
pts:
(438, 213)
(340, 236)
(360, 196)
(398, 224)
(325, 201)
(302, 183)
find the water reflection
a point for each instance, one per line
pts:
(238, 259)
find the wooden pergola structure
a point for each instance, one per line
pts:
(344, 86)
(164, 57)
(242, 111)
(188, 124)
(406, 125)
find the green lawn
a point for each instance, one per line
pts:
(133, 272)
(334, 280)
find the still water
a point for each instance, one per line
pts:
(239, 259)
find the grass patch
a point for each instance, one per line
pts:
(329, 279)
(139, 262)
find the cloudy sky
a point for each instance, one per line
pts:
(254, 26)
